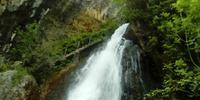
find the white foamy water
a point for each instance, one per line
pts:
(100, 78)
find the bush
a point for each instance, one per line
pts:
(79, 40)
(26, 41)
(177, 25)
(133, 10)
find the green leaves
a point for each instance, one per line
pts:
(180, 63)
(81, 39)
(133, 10)
(165, 14)
(26, 40)
(178, 79)
(177, 25)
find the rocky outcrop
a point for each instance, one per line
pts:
(78, 14)
(132, 81)
(14, 86)
(54, 14)
(102, 9)
(148, 77)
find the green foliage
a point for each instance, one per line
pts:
(26, 53)
(3, 65)
(119, 1)
(136, 10)
(21, 72)
(79, 40)
(177, 24)
(26, 40)
(179, 83)
(17, 65)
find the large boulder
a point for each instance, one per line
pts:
(15, 86)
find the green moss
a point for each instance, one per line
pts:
(133, 10)
(21, 72)
(119, 1)
(4, 66)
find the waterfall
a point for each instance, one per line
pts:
(101, 76)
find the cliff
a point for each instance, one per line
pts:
(38, 33)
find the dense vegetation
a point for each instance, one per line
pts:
(174, 32)
(175, 26)
(172, 29)
(31, 51)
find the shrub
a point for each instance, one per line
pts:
(177, 26)
(26, 41)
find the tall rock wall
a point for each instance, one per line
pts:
(15, 13)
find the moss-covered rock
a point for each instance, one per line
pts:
(16, 85)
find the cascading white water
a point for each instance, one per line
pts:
(100, 78)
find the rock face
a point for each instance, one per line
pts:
(57, 13)
(102, 9)
(133, 87)
(54, 16)
(17, 87)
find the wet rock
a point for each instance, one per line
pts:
(133, 87)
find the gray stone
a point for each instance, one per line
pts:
(13, 5)
(102, 9)
(37, 3)
(133, 87)
(15, 87)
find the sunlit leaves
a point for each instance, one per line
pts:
(165, 14)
